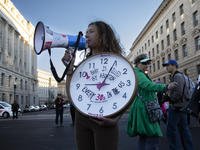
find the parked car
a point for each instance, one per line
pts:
(37, 108)
(66, 105)
(5, 110)
(43, 107)
(29, 109)
(53, 106)
(19, 111)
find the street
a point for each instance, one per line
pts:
(37, 131)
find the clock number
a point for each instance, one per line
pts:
(114, 106)
(91, 65)
(124, 96)
(101, 110)
(80, 98)
(77, 85)
(88, 106)
(125, 71)
(104, 61)
(84, 74)
(128, 83)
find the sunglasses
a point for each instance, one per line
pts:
(146, 63)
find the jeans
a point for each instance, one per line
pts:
(59, 113)
(178, 120)
(148, 143)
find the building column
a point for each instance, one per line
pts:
(11, 47)
(16, 53)
(22, 55)
(5, 43)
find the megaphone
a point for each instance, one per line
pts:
(44, 38)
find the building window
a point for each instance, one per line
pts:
(182, 28)
(148, 42)
(195, 19)
(181, 10)
(161, 30)
(167, 24)
(169, 56)
(142, 49)
(156, 34)
(186, 72)
(168, 40)
(175, 35)
(149, 54)
(152, 38)
(173, 17)
(176, 54)
(25, 85)
(163, 60)
(162, 44)
(157, 48)
(145, 46)
(198, 69)
(2, 79)
(153, 53)
(21, 84)
(158, 65)
(154, 68)
(193, 1)
(184, 48)
(10, 82)
(164, 80)
(197, 43)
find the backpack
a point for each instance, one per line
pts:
(189, 87)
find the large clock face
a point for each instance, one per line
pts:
(103, 85)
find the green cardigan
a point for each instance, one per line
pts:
(138, 121)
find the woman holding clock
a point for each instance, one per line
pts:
(101, 133)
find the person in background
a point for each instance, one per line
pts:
(101, 133)
(138, 121)
(73, 112)
(164, 105)
(15, 107)
(176, 118)
(59, 109)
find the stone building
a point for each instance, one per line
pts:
(47, 87)
(62, 89)
(18, 61)
(173, 32)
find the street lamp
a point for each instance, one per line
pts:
(15, 85)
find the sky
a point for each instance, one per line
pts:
(127, 17)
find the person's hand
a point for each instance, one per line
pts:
(172, 85)
(106, 122)
(66, 59)
(69, 55)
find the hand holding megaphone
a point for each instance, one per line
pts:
(69, 56)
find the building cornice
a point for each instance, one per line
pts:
(153, 19)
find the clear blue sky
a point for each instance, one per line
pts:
(128, 17)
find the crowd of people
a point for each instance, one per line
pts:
(103, 133)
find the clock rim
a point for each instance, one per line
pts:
(125, 107)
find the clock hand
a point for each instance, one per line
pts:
(97, 84)
(103, 83)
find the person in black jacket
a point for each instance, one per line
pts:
(59, 109)
(15, 107)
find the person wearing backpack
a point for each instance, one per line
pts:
(176, 118)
